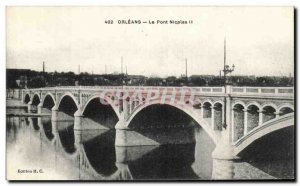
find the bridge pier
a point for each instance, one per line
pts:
(78, 120)
(222, 170)
(223, 157)
(121, 133)
(223, 154)
(29, 107)
(54, 115)
(77, 138)
(39, 108)
(54, 126)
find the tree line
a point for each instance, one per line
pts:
(20, 78)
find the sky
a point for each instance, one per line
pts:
(259, 40)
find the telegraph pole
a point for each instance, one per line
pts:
(78, 74)
(121, 64)
(186, 75)
(44, 79)
(122, 75)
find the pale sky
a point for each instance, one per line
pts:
(260, 41)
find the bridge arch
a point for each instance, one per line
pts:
(26, 98)
(288, 105)
(238, 117)
(218, 102)
(238, 103)
(207, 101)
(207, 109)
(269, 127)
(109, 102)
(253, 103)
(269, 111)
(270, 105)
(195, 116)
(218, 115)
(252, 116)
(70, 95)
(100, 113)
(48, 101)
(285, 109)
(67, 106)
(36, 99)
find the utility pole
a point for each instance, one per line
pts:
(126, 77)
(78, 74)
(121, 64)
(186, 75)
(122, 75)
(105, 69)
(44, 73)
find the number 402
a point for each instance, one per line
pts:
(109, 22)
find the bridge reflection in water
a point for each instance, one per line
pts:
(92, 154)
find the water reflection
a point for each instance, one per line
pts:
(47, 126)
(100, 151)
(91, 154)
(166, 162)
(35, 123)
(66, 135)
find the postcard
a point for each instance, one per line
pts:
(150, 93)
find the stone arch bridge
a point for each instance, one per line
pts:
(250, 112)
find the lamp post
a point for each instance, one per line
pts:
(226, 70)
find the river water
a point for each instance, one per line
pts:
(35, 151)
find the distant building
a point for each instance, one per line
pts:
(136, 79)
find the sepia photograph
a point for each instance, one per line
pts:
(150, 93)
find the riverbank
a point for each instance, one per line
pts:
(15, 103)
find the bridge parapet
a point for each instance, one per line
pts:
(263, 91)
(251, 91)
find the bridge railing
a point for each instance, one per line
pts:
(197, 89)
(281, 91)
(256, 91)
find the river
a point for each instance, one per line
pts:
(35, 151)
